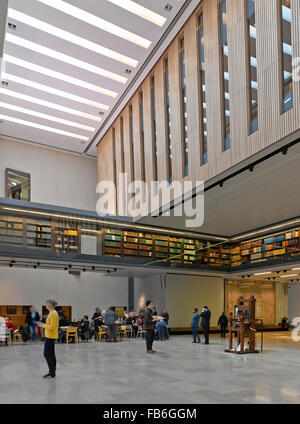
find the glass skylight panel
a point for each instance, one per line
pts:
(55, 106)
(42, 127)
(53, 74)
(54, 91)
(45, 116)
(68, 36)
(139, 10)
(100, 23)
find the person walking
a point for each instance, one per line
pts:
(195, 326)
(205, 323)
(149, 324)
(51, 335)
(97, 321)
(30, 320)
(223, 323)
(110, 321)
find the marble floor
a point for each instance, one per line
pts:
(180, 372)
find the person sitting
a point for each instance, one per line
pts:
(161, 330)
(9, 324)
(84, 329)
(285, 323)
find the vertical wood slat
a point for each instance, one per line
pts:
(273, 126)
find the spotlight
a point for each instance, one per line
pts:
(251, 168)
(285, 270)
(66, 268)
(11, 264)
(108, 271)
(221, 184)
(38, 264)
(93, 268)
(243, 276)
(274, 278)
(70, 266)
(84, 270)
(35, 266)
(285, 151)
(115, 269)
(278, 272)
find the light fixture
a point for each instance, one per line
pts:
(45, 116)
(142, 12)
(42, 127)
(65, 58)
(296, 269)
(55, 106)
(263, 273)
(288, 276)
(72, 38)
(97, 22)
(251, 168)
(285, 151)
(54, 91)
(58, 75)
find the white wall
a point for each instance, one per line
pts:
(84, 293)
(185, 292)
(56, 178)
(149, 288)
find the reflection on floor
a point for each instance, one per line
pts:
(180, 372)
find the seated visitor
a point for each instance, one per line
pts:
(161, 330)
(84, 329)
(10, 325)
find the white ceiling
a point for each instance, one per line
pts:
(29, 31)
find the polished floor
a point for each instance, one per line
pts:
(180, 372)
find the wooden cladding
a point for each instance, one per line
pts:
(250, 127)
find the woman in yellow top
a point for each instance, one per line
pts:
(51, 334)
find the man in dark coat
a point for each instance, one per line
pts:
(149, 324)
(223, 323)
(205, 323)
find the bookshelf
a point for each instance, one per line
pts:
(112, 242)
(11, 230)
(66, 238)
(38, 234)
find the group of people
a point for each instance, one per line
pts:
(205, 324)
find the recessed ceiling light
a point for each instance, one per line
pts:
(168, 7)
(45, 116)
(54, 91)
(64, 58)
(58, 75)
(142, 12)
(100, 23)
(42, 127)
(55, 106)
(72, 38)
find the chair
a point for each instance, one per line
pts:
(123, 331)
(141, 333)
(129, 330)
(101, 332)
(5, 335)
(17, 337)
(71, 332)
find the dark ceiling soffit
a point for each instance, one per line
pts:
(141, 70)
(219, 179)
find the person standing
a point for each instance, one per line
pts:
(223, 323)
(205, 323)
(110, 321)
(195, 326)
(51, 335)
(97, 321)
(30, 320)
(149, 324)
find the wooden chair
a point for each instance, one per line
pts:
(71, 332)
(123, 331)
(101, 332)
(17, 337)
